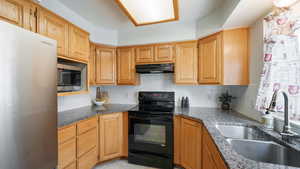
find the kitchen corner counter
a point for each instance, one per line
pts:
(74, 115)
(212, 116)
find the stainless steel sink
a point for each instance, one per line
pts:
(266, 151)
(241, 132)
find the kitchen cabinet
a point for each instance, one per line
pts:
(72, 166)
(105, 65)
(88, 161)
(144, 54)
(223, 58)
(177, 128)
(111, 136)
(125, 135)
(186, 65)
(79, 43)
(126, 67)
(190, 144)
(164, 53)
(66, 146)
(19, 12)
(211, 156)
(56, 28)
(92, 62)
(210, 67)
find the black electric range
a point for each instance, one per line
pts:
(150, 130)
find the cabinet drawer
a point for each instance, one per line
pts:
(88, 160)
(86, 142)
(66, 153)
(71, 166)
(66, 133)
(87, 125)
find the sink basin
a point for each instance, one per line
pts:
(241, 132)
(266, 151)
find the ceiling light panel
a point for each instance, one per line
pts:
(143, 12)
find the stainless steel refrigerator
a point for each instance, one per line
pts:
(28, 101)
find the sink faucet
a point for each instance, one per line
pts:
(287, 134)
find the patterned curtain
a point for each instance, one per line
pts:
(281, 69)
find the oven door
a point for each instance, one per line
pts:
(150, 133)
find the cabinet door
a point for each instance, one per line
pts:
(92, 64)
(66, 153)
(144, 54)
(55, 28)
(72, 166)
(177, 130)
(164, 53)
(111, 136)
(210, 67)
(30, 17)
(186, 67)
(105, 66)
(207, 159)
(12, 11)
(126, 67)
(191, 143)
(79, 43)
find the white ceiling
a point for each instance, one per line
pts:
(106, 13)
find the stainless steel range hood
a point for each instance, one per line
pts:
(155, 68)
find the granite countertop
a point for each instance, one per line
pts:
(212, 116)
(74, 115)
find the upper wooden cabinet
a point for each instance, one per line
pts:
(210, 67)
(105, 66)
(55, 28)
(144, 54)
(190, 144)
(19, 12)
(223, 58)
(186, 65)
(92, 71)
(126, 67)
(111, 136)
(164, 53)
(79, 43)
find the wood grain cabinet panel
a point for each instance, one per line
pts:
(105, 66)
(164, 53)
(125, 135)
(144, 54)
(191, 144)
(30, 17)
(207, 159)
(87, 161)
(210, 67)
(87, 125)
(71, 166)
(186, 67)
(79, 43)
(66, 133)
(54, 27)
(177, 130)
(111, 136)
(66, 153)
(126, 67)
(12, 11)
(92, 62)
(87, 141)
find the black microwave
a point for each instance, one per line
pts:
(69, 78)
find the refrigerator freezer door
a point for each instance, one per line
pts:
(28, 101)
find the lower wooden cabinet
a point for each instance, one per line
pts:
(88, 161)
(194, 147)
(66, 153)
(111, 136)
(71, 166)
(190, 144)
(86, 142)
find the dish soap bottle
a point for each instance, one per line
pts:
(268, 121)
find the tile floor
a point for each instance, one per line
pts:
(120, 164)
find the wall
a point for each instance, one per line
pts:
(165, 32)
(246, 103)
(97, 34)
(204, 96)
